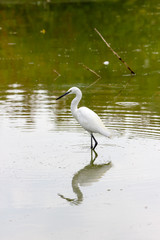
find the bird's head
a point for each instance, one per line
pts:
(72, 90)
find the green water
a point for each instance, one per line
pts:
(43, 48)
(49, 189)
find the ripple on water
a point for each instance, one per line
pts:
(26, 111)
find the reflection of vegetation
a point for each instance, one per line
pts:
(63, 46)
(29, 56)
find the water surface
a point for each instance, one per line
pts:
(50, 186)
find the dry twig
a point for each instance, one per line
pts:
(91, 70)
(58, 74)
(114, 52)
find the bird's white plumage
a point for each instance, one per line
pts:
(88, 119)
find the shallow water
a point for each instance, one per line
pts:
(50, 188)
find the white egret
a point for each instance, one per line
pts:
(88, 119)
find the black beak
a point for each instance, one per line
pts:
(63, 95)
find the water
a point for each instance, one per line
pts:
(49, 189)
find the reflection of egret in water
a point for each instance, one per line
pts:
(85, 177)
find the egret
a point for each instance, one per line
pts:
(88, 119)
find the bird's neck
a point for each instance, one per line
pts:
(74, 103)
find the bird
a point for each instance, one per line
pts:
(87, 118)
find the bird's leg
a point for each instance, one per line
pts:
(96, 143)
(91, 142)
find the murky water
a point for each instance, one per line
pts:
(49, 187)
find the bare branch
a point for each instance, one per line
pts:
(114, 51)
(90, 70)
(58, 74)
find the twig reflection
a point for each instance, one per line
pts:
(85, 177)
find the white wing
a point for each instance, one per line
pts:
(90, 121)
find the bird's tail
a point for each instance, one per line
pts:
(106, 132)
